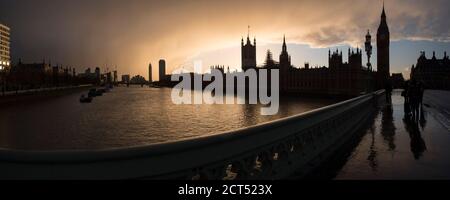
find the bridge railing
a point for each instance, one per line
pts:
(273, 150)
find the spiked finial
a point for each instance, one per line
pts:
(284, 44)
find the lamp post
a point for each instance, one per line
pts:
(3, 68)
(2, 80)
(368, 46)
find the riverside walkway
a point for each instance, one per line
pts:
(40, 90)
(24, 96)
(394, 147)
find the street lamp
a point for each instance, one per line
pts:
(368, 45)
(2, 79)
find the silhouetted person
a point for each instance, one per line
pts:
(405, 95)
(414, 98)
(388, 88)
(422, 120)
(421, 89)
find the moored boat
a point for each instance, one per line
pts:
(92, 93)
(84, 99)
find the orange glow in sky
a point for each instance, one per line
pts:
(128, 35)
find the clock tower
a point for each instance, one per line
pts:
(383, 40)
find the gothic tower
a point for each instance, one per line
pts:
(383, 41)
(285, 64)
(248, 54)
(285, 59)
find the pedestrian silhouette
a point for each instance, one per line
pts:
(405, 95)
(415, 92)
(388, 89)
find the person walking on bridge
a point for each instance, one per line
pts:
(388, 89)
(414, 97)
(405, 94)
(421, 89)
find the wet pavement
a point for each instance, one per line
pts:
(395, 146)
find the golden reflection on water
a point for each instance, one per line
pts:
(128, 117)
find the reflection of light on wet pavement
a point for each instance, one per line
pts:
(439, 102)
(397, 147)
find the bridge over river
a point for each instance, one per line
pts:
(362, 138)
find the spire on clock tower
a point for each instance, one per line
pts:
(383, 45)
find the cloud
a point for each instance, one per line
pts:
(129, 34)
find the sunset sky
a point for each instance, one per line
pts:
(130, 34)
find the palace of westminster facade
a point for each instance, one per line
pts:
(340, 78)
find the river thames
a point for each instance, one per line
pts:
(127, 117)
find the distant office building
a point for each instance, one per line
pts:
(126, 78)
(115, 76)
(97, 72)
(60, 75)
(434, 73)
(107, 78)
(162, 70)
(5, 59)
(150, 78)
(89, 77)
(35, 75)
(138, 80)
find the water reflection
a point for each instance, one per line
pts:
(418, 146)
(423, 118)
(128, 117)
(249, 114)
(410, 148)
(387, 126)
(412, 121)
(372, 158)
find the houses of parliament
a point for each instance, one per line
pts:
(339, 78)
